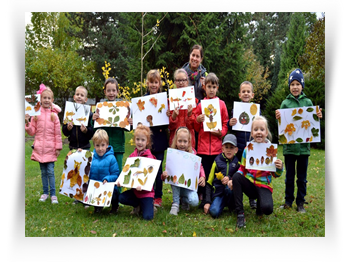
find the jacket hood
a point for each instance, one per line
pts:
(109, 151)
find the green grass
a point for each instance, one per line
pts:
(66, 219)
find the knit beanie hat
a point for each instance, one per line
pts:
(297, 74)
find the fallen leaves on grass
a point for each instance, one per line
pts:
(93, 232)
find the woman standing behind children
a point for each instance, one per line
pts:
(182, 117)
(209, 143)
(300, 152)
(159, 135)
(141, 200)
(182, 141)
(255, 184)
(47, 143)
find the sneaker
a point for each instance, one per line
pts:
(98, 210)
(240, 220)
(75, 202)
(252, 203)
(285, 206)
(174, 209)
(185, 206)
(158, 202)
(136, 211)
(301, 208)
(54, 200)
(86, 206)
(43, 198)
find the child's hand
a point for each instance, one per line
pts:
(200, 118)
(216, 133)
(130, 121)
(104, 181)
(201, 181)
(118, 184)
(26, 118)
(168, 113)
(233, 121)
(206, 208)
(278, 114)
(229, 184)
(83, 128)
(139, 188)
(175, 113)
(164, 175)
(57, 152)
(225, 180)
(80, 149)
(95, 116)
(69, 126)
(189, 110)
(319, 113)
(279, 164)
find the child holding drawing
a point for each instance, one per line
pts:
(182, 141)
(79, 136)
(299, 152)
(47, 143)
(255, 184)
(209, 143)
(104, 166)
(116, 134)
(159, 134)
(141, 200)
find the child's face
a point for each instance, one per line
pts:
(195, 59)
(181, 80)
(46, 99)
(229, 150)
(259, 131)
(101, 147)
(295, 88)
(246, 94)
(140, 142)
(80, 96)
(111, 92)
(211, 89)
(153, 86)
(182, 141)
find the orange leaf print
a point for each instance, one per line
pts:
(305, 124)
(250, 147)
(294, 112)
(99, 105)
(271, 151)
(290, 129)
(141, 104)
(97, 184)
(100, 121)
(37, 107)
(154, 101)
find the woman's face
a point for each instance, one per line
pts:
(195, 59)
(181, 80)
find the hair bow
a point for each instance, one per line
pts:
(42, 88)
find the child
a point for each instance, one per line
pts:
(159, 135)
(254, 183)
(218, 195)
(79, 136)
(209, 143)
(47, 143)
(141, 200)
(182, 141)
(246, 94)
(296, 152)
(116, 134)
(182, 117)
(104, 166)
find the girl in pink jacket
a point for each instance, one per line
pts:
(47, 143)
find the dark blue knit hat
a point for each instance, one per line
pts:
(297, 74)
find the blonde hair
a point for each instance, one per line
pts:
(48, 89)
(100, 136)
(84, 88)
(145, 130)
(261, 118)
(182, 129)
(154, 75)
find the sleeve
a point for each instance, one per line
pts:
(224, 119)
(172, 122)
(56, 109)
(31, 129)
(242, 170)
(113, 171)
(278, 172)
(90, 129)
(65, 130)
(197, 112)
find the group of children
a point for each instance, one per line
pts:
(221, 152)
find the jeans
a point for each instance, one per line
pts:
(188, 196)
(146, 204)
(302, 163)
(48, 177)
(158, 190)
(219, 202)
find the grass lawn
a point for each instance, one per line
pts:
(68, 220)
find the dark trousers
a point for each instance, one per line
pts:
(207, 162)
(146, 204)
(301, 167)
(158, 183)
(241, 185)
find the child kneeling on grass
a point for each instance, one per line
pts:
(104, 166)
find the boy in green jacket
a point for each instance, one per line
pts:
(296, 152)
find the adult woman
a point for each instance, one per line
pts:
(196, 71)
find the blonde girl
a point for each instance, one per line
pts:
(182, 141)
(47, 143)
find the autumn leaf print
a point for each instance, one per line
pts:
(140, 104)
(250, 147)
(154, 101)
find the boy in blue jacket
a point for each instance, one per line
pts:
(104, 166)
